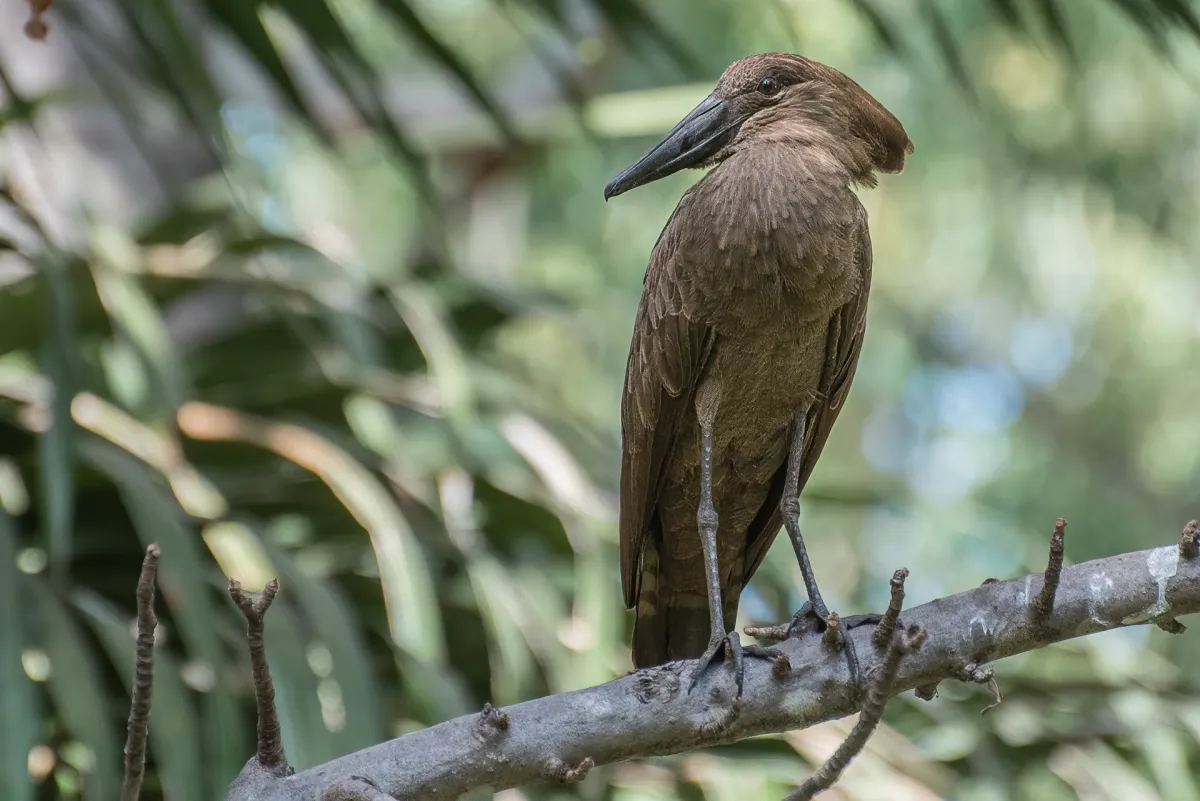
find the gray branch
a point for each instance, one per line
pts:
(647, 713)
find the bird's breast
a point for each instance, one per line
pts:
(773, 247)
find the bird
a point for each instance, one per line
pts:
(745, 343)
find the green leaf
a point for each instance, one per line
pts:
(884, 30)
(414, 617)
(340, 57)
(945, 40)
(426, 320)
(77, 692)
(17, 109)
(174, 724)
(20, 715)
(1167, 753)
(306, 739)
(1056, 24)
(1181, 13)
(436, 694)
(29, 308)
(56, 447)
(444, 55)
(1144, 18)
(134, 312)
(632, 22)
(513, 668)
(241, 19)
(1010, 15)
(183, 221)
(170, 61)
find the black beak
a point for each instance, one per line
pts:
(697, 138)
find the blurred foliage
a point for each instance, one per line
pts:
(327, 290)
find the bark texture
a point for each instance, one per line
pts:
(646, 713)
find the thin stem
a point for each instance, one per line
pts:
(868, 719)
(143, 679)
(254, 607)
(887, 625)
(1043, 604)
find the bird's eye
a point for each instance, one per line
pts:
(768, 86)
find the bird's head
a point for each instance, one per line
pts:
(781, 98)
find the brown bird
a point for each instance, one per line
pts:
(745, 342)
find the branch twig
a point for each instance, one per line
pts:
(868, 720)
(884, 633)
(1189, 541)
(143, 678)
(254, 607)
(1041, 606)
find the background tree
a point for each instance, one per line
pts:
(328, 290)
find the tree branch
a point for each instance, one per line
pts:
(646, 713)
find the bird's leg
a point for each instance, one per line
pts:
(706, 518)
(789, 505)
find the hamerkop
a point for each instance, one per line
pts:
(745, 342)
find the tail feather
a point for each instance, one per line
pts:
(671, 625)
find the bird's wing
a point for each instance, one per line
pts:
(843, 346)
(666, 358)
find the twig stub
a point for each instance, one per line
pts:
(357, 788)
(568, 774)
(36, 27)
(781, 667)
(492, 722)
(1041, 606)
(1170, 625)
(143, 678)
(254, 607)
(973, 673)
(768, 634)
(887, 625)
(926, 692)
(833, 632)
(1189, 541)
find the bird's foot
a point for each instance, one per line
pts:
(810, 620)
(723, 645)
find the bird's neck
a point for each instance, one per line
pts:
(833, 153)
(778, 188)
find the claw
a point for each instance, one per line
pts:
(731, 645)
(715, 645)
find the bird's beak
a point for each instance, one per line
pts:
(698, 137)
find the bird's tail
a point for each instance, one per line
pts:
(671, 625)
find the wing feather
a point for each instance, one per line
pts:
(666, 359)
